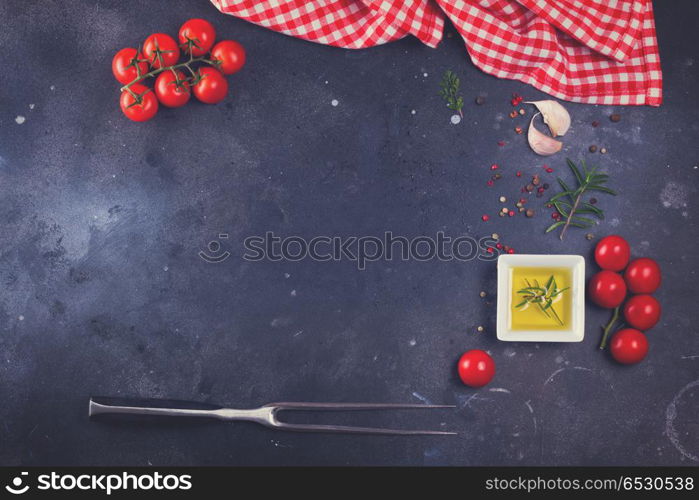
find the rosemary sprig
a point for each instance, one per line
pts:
(569, 202)
(542, 297)
(450, 92)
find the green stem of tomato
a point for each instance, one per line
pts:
(157, 71)
(608, 328)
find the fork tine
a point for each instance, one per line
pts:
(343, 429)
(352, 406)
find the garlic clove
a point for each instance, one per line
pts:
(555, 116)
(542, 144)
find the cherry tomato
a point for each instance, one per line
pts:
(165, 45)
(643, 276)
(231, 55)
(139, 111)
(607, 289)
(212, 87)
(476, 368)
(124, 65)
(642, 311)
(172, 88)
(629, 346)
(612, 253)
(201, 33)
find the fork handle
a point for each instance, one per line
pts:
(96, 408)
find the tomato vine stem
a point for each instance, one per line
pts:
(608, 328)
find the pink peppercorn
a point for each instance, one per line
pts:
(485, 218)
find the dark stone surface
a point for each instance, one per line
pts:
(102, 219)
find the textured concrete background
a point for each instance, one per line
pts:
(102, 290)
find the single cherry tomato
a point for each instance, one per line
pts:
(643, 276)
(612, 253)
(201, 33)
(230, 54)
(141, 108)
(124, 65)
(629, 346)
(212, 86)
(161, 50)
(607, 289)
(642, 311)
(172, 88)
(476, 368)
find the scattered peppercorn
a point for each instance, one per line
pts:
(530, 213)
(519, 173)
(497, 176)
(482, 294)
(595, 123)
(548, 170)
(503, 199)
(480, 100)
(485, 218)
(593, 149)
(546, 185)
(589, 236)
(490, 250)
(518, 130)
(489, 183)
(522, 111)
(615, 117)
(511, 213)
(501, 143)
(535, 180)
(513, 114)
(540, 190)
(480, 328)
(593, 201)
(555, 215)
(495, 236)
(494, 166)
(529, 188)
(603, 151)
(498, 246)
(510, 250)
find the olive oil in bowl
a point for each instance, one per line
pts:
(541, 298)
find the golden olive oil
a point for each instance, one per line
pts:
(534, 315)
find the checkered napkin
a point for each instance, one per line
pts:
(593, 51)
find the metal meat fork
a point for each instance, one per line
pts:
(267, 415)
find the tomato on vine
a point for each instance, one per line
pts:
(642, 311)
(212, 87)
(138, 103)
(629, 346)
(126, 65)
(612, 253)
(198, 33)
(161, 50)
(172, 88)
(607, 289)
(230, 56)
(643, 276)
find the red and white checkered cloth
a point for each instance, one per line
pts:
(593, 51)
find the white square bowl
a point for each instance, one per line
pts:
(575, 263)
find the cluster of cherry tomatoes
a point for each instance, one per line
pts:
(608, 289)
(200, 72)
